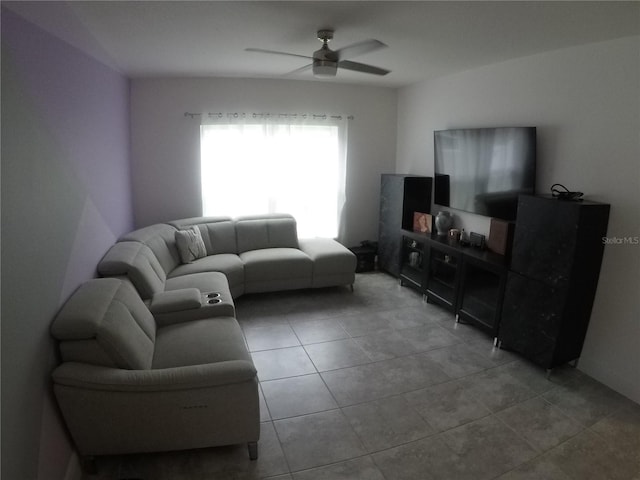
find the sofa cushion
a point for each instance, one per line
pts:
(175, 300)
(229, 264)
(219, 237)
(203, 281)
(138, 263)
(190, 245)
(200, 342)
(160, 238)
(218, 233)
(276, 264)
(106, 323)
(266, 231)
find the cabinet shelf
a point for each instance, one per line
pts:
(479, 312)
(443, 273)
(444, 264)
(412, 272)
(412, 266)
(481, 302)
(405, 275)
(450, 284)
(444, 294)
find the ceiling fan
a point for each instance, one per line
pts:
(325, 62)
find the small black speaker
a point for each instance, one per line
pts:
(365, 256)
(476, 240)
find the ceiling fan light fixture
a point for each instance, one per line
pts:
(324, 68)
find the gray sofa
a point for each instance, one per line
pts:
(255, 254)
(128, 385)
(153, 358)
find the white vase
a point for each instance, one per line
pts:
(444, 222)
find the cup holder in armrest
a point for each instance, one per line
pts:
(213, 301)
(213, 295)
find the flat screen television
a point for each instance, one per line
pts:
(483, 170)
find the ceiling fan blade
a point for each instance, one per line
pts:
(299, 70)
(262, 50)
(361, 67)
(360, 48)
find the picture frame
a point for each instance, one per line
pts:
(422, 223)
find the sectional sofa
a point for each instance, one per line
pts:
(255, 254)
(152, 356)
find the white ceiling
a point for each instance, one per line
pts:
(425, 39)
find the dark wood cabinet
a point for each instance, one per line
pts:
(483, 280)
(443, 272)
(412, 260)
(465, 280)
(400, 197)
(556, 258)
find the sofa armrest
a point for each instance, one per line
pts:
(94, 377)
(175, 300)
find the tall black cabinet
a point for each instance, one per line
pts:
(400, 197)
(555, 264)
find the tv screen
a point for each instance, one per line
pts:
(483, 170)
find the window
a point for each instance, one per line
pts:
(294, 167)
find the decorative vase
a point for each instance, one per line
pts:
(444, 221)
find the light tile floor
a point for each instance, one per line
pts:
(375, 384)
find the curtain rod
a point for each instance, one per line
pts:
(322, 116)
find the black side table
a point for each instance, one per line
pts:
(366, 257)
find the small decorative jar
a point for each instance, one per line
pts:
(444, 222)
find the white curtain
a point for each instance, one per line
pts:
(276, 163)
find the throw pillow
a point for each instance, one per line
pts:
(190, 244)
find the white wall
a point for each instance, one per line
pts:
(585, 102)
(165, 144)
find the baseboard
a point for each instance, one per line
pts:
(610, 378)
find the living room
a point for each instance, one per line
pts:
(90, 154)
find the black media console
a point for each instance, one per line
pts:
(465, 280)
(539, 303)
